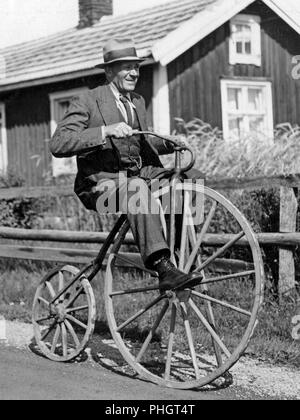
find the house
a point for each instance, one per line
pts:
(232, 63)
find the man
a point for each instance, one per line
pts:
(100, 129)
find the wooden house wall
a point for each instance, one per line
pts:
(28, 123)
(194, 77)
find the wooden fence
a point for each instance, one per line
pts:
(287, 239)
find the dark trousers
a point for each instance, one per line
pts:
(134, 197)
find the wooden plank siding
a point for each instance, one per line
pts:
(194, 77)
(28, 123)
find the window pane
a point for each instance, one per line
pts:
(235, 127)
(242, 28)
(234, 98)
(257, 124)
(248, 47)
(255, 99)
(239, 47)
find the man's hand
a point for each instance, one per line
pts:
(181, 141)
(118, 130)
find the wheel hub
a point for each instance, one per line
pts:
(60, 312)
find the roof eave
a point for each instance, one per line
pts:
(56, 78)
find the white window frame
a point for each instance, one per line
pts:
(240, 58)
(59, 166)
(246, 84)
(4, 156)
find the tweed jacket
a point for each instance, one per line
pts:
(79, 133)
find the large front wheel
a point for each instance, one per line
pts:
(187, 339)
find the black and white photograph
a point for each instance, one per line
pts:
(149, 202)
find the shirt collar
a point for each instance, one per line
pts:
(117, 93)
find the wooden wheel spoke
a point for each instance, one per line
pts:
(171, 341)
(221, 251)
(172, 232)
(46, 318)
(61, 282)
(210, 329)
(48, 331)
(64, 339)
(200, 237)
(190, 338)
(51, 290)
(208, 307)
(55, 339)
(77, 309)
(76, 321)
(228, 277)
(139, 313)
(222, 303)
(184, 241)
(152, 332)
(72, 332)
(131, 291)
(41, 299)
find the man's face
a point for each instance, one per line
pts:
(124, 75)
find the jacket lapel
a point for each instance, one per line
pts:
(107, 105)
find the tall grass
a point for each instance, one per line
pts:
(252, 156)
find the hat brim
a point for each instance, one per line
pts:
(103, 65)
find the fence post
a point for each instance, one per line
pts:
(288, 220)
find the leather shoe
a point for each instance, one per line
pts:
(171, 278)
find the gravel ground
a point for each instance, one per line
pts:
(263, 378)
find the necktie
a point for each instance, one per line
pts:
(125, 101)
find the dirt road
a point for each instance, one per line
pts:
(25, 375)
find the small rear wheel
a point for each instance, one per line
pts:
(64, 325)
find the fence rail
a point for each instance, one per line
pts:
(210, 239)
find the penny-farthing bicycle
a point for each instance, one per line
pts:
(183, 338)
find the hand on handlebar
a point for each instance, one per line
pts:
(181, 142)
(119, 130)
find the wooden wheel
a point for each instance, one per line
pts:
(63, 326)
(190, 338)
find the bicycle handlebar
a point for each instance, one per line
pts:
(177, 150)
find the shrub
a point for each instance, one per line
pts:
(16, 212)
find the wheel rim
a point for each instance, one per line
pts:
(62, 329)
(205, 313)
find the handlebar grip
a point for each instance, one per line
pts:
(177, 148)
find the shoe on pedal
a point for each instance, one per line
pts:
(171, 278)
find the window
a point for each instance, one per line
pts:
(3, 140)
(59, 103)
(245, 41)
(246, 108)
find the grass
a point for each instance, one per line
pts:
(272, 338)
